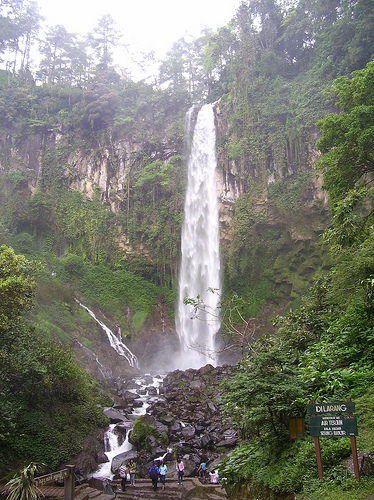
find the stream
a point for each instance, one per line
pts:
(148, 391)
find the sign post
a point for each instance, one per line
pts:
(354, 450)
(333, 420)
(317, 447)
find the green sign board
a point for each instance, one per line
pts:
(333, 426)
(320, 409)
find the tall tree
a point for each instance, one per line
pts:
(57, 50)
(17, 286)
(20, 24)
(104, 38)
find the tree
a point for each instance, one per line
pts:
(236, 332)
(99, 106)
(58, 49)
(347, 164)
(219, 53)
(17, 286)
(104, 37)
(173, 68)
(19, 23)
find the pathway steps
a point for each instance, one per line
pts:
(191, 489)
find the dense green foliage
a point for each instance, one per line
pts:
(324, 349)
(43, 392)
(142, 431)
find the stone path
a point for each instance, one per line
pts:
(191, 489)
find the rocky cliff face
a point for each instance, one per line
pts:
(234, 179)
(106, 168)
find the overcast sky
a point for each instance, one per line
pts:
(147, 25)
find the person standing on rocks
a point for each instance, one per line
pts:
(154, 472)
(180, 470)
(123, 473)
(132, 469)
(163, 470)
(202, 471)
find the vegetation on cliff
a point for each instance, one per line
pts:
(269, 67)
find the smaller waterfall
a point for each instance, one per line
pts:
(111, 441)
(112, 449)
(114, 341)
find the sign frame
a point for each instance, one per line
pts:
(335, 413)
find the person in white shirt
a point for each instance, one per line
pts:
(123, 473)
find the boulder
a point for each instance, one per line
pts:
(227, 443)
(125, 457)
(188, 432)
(151, 390)
(115, 415)
(366, 465)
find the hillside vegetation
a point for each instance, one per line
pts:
(295, 84)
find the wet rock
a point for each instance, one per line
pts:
(115, 415)
(188, 432)
(366, 465)
(188, 417)
(123, 458)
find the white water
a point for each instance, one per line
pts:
(112, 449)
(114, 341)
(200, 265)
(111, 440)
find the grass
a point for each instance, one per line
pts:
(350, 490)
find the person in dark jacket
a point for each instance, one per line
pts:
(154, 472)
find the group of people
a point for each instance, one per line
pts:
(202, 473)
(158, 471)
(127, 473)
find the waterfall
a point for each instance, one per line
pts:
(200, 264)
(114, 341)
(112, 449)
(115, 446)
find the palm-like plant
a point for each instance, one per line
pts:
(23, 487)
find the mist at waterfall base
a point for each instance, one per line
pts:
(200, 260)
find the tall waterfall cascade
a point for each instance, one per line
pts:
(200, 262)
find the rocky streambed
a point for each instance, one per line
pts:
(181, 415)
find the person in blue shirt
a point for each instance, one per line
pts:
(163, 470)
(202, 472)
